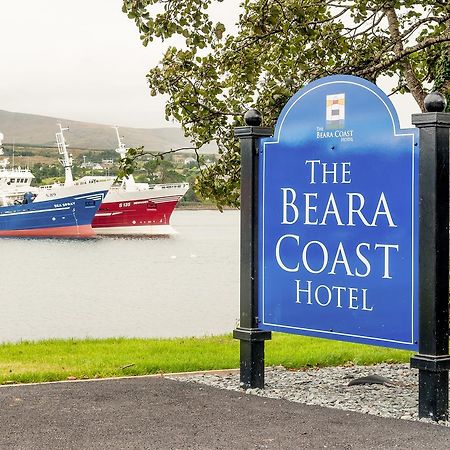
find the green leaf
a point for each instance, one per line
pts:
(276, 48)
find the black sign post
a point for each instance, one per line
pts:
(433, 360)
(251, 337)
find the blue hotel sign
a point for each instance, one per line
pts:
(338, 227)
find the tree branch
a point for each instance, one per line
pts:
(410, 77)
(403, 54)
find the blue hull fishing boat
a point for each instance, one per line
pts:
(55, 210)
(63, 215)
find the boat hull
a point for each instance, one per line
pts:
(65, 216)
(144, 212)
(75, 231)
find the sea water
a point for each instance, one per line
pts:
(186, 284)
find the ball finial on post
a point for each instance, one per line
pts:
(435, 102)
(253, 118)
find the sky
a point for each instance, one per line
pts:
(83, 60)
(80, 60)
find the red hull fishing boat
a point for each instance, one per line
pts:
(132, 208)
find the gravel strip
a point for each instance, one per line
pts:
(396, 398)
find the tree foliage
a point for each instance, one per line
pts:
(212, 77)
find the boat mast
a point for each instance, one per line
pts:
(128, 181)
(121, 149)
(66, 160)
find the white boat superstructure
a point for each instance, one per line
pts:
(15, 182)
(17, 177)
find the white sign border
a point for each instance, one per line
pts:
(262, 271)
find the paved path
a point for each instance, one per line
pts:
(156, 413)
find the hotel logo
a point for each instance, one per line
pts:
(335, 111)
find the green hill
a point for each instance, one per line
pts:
(30, 129)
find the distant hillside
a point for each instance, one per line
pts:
(40, 130)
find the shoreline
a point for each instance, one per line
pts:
(192, 206)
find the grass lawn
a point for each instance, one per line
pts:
(53, 360)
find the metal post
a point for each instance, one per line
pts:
(251, 337)
(433, 360)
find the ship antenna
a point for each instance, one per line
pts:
(128, 180)
(66, 160)
(121, 149)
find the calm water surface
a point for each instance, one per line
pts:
(182, 285)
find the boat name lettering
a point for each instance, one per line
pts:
(62, 205)
(124, 204)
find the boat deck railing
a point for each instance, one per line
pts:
(168, 186)
(75, 183)
(14, 170)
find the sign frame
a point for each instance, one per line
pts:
(266, 208)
